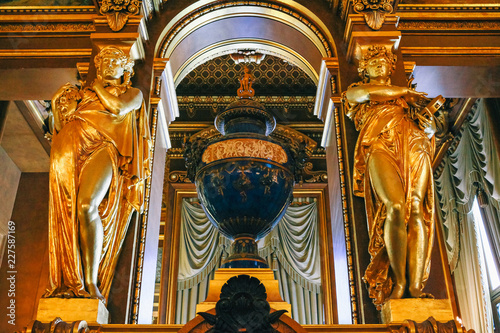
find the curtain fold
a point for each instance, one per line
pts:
(474, 165)
(291, 249)
(200, 251)
(294, 253)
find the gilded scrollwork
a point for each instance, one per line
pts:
(374, 11)
(60, 326)
(320, 176)
(178, 177)
(431, 325)
(118, 11)
(193, 151)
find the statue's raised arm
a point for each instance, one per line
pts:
(99, 163)
(392, 171)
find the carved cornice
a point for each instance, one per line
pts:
(47, 9)
(260, 99)
(117, 12)
(448, 25)
(46, 53)
(450, 51)
(203, 10)
(448, 7)
(47, 27)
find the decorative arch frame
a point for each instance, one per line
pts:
(286, 29)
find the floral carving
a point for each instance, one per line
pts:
(118, 11)
(374, 11)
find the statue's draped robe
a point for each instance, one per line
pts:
(91, 128)
(386, 128)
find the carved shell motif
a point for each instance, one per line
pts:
(118, 11)
(374, 11)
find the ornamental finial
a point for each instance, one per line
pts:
(246, 90)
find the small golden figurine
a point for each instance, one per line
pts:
(392, 171)
(246, 90)
(99, 161)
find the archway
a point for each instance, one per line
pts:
(201, 33)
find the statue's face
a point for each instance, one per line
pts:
(111, 67)
(378, 67)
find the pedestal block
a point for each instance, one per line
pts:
(266, 277)
(416, 309)
(92, 311)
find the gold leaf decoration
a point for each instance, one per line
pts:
(374, 11)
(118, 11)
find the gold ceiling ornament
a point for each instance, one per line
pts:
(244, 56)
(374, 11)
(118, 11)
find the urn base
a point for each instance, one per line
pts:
(244, 254)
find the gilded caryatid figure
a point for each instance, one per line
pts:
(98, 165)
(392, 171)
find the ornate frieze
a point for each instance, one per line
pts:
(47, 9)
(448, 7)
(47, 27)
(449, 25)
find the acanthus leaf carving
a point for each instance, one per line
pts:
(118, 11)
(374, 11)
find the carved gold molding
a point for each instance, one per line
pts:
(374, 11)
(260, 99)
(47, 27)
(47, 9)
(117, 12)
(447, 51)
(46, 53)
(449, 25)
(346, 206)
(448, 7)
(143, 224)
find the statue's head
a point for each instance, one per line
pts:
(377, 62)
(112, 63)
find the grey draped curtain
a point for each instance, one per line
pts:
(200, 251)
(474, 165)
(292, 250)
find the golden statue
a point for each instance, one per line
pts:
(246, 81)
(98, 164)
(392, 171)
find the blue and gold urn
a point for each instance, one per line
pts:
(244, 178)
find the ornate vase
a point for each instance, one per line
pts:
(244, 178)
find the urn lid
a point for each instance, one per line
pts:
(245, 114)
